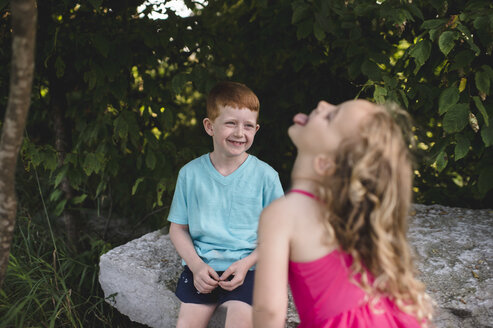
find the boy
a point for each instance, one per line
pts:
(215, 211)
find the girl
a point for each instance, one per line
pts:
(339, 235)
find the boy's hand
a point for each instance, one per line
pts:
(205, 279)
(239, 270)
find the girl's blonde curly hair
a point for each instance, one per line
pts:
(368, 199)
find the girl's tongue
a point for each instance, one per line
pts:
(300, 119)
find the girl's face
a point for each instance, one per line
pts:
(327, 125)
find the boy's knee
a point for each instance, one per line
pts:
(194, 315)
(238, 314)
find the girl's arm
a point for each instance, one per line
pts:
(205, 278)
(270, 296)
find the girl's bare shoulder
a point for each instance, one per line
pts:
(282, 210)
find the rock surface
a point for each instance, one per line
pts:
(454, 247)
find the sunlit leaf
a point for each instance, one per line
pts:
(136, 185)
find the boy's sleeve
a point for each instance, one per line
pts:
(178, 211)
(273, 190)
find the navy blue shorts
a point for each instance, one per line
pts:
(187, 293)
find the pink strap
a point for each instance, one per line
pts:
(306, 193)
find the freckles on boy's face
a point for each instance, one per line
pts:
(233, 131)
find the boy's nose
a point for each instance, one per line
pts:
(239, 130)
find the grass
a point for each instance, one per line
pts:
(49, 285)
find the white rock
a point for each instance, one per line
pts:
(454, 248)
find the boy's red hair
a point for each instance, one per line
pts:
(234, 94)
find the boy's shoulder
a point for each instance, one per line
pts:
(260, 164)
(194, 163)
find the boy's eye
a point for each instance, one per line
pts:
(230, 123)
(249, 126)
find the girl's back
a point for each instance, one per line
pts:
(320, 276)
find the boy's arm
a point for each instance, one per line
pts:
(270, 294)
(204, 277)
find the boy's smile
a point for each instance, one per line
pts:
(232, 131)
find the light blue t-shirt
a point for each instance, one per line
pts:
(222, 212)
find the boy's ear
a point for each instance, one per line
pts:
(208, 126)
(323, 165)
(257, 127)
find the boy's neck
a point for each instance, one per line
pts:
(227, 165)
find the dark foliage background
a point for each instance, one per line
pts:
(119, 98)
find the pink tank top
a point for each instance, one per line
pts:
(325, 297)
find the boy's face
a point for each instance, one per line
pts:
(232, 131)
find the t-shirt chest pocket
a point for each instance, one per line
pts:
(245, 212)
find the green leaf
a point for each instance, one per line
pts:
(304, 29)
(437, 148)
(60, 175)
(379, 94)
(431, 24)
(136, 185)
(463, 59)
(447, 99)
(482, 110)
(120, 127)
(91, 164)
(79, 199)
(101, 44)
(59, 67)
(442, 161)
(456, 118)
(468, 37)
(485, 180)
(55, 195)
(371, 70)
(60, 207)
(446, 41)
(101, 187)
(178, 82)
(461, 147)
(300, 12)
(160, 188)
(482, 81)
(421, 52)
(404, 98)
(415, 10)
(488, 71)
(487, 134)
(49, 160)
(318, 32)
(150, 159)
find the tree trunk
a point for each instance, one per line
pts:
(23, 44)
